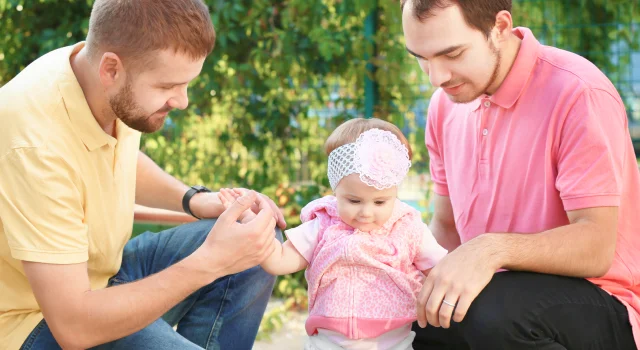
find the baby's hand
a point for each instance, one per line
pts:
(228, 196)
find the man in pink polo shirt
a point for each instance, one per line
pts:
(534, 173)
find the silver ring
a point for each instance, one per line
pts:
(448, 303)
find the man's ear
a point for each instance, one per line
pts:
(111, 70)
(502, 28)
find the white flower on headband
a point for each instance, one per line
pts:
(377, 155)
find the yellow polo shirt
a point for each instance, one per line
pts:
(67, 188)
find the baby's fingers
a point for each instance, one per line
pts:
(226, 197)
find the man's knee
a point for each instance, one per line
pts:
(498, 312)
(486, 318)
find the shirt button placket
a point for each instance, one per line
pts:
(483, 127)
(483, 163)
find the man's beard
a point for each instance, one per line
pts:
(125, 109)
(494, 75)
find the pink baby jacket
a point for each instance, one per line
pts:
(363, 284)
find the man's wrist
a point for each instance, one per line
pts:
(206, 205)
(187, 199)
(497, 247)
(198, 268)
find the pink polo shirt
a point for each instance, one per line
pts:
(552, 139)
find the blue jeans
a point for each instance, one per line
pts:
(225, 314)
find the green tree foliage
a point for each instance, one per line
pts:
(276, 63)
(257, 116)
(603, 31)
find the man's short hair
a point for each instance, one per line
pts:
(134, 29)
(479, 14)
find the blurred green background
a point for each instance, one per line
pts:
(285, 72)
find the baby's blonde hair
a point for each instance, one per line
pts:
(349, 131)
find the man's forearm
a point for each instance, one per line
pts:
(112, 313)
(155, 188)
(576, 250)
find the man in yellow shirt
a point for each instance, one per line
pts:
(70, 173)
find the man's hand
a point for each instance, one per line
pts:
(277, 213)
(455, 282)
(209, 205)
(233, 247)
(228, 196)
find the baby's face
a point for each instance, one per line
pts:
(364, 207)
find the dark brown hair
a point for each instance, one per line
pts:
(479, 14)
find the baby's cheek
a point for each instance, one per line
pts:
(386, 214)
(344, 213)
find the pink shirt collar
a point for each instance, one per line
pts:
(513, 85)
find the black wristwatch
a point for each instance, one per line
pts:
(187, 198)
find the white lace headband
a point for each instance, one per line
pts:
(377, 155)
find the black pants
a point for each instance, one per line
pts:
(521, 310)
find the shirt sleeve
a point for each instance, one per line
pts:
(591, 152)
(305, 238)
(433, 141)
(429, 252)
(41, 208)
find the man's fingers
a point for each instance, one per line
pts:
(276, 212)
(280, 220)
(265, 243)
(264, 205)
(268, 249)
(425, 292)
(446, 308)
(435, 301)
(268, 233)
(236, 208)
(464, 303)
(264, 218)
